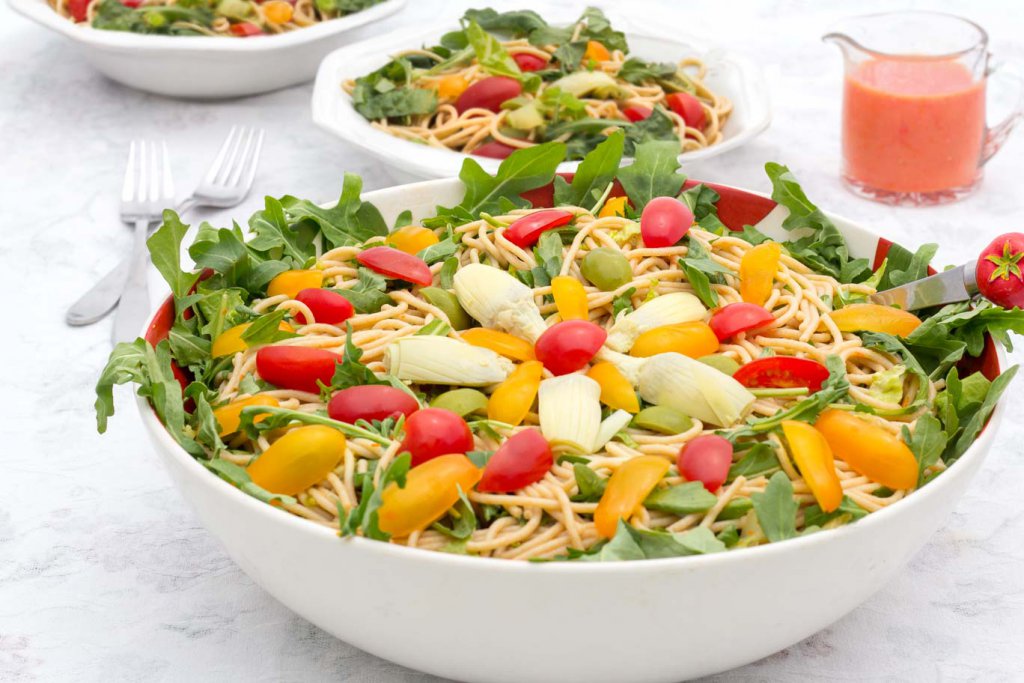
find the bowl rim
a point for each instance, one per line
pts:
(40, 12)
(328, 97)
(975, 451)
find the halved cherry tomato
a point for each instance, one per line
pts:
(525, 231)
(299, 459)
(296, 367)
(998, 272)
(132, 3)
(664, 221)
(528, 62)
(782, 372)
(870, 450)
(688, 107)
(78, 9)
(875, 318)
(739, 317)
(431, 432)
(394, 263)
(596, 52)
(693, 339)
(370, 402)
(493, 150)
(488, 94)
(499, 342)
(627, 489)
(291, 282)
(706, 459)
(326, 306)
(430, 490)
(522, 460)
(637, 113)
(246, 29)
(568, 346)
(813, 456)
(412, 239)
(229, 417)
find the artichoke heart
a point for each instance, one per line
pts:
(667, 309)
(570, 412)
(693, 388)
(498, 300)
(443, 360)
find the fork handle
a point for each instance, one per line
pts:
(134, 304)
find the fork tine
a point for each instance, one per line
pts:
(155, 166)
(254, 161)
(166, 176)
(222, 153)
(128, 186)
(243, 159)
(233, 158)
(142, 173)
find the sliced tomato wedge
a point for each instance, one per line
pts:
(688, 107)
(637, 113)
(781, 372)
(524, 232)
(528, 62)
(522, 460)
(246, 29)
(397, 264)
(493, 150)
(739, 317)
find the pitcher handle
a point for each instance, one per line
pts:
(997, 134)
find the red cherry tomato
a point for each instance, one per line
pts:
(246, 29)
(739, 317)
(396, 263)
(493, 150)
(706, 459)
(524, 232)
(522, 460)
(637, 113)
(78, 9)
(569, 345)
(488, 94)
(431, 432)
(999, 271)
(296, 367)
(327, 306)
(782, 372)
(528, 62)
(689, 107)
(370, 402)
(131, 3)
(664, 221)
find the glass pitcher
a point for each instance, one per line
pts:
(914, 104)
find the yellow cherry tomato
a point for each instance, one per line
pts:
(757, 272)
(229, 342)
(570, 298)
(230, 415)
(596, 51)
(511, 401)
(499, 342)
(291, 282)
(298, 460)
(870, 450)
(875, 318)
(278, 11)
(693, 339)
(450, 87)
(431, 489)
(614, 206)
(813, 456)
(412, 239)
(627, 489)
(616, 391)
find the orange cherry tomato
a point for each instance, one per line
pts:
(430, 490)
(278, 11)
(500, 342)
(412, 239)
(596, 52)
(450, 87)
(875, 318)
(613, 206)
(229, 417)
(626, 491)
(757, 272)
(229, 342)
(512, 400)
(693, 339)
(811, 452)
(291, 282)
(298, 460)
(869, 449)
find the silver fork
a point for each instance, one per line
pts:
(147, 189)
(226, 183)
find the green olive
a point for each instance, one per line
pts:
(462, 401)
(663, 420)
(734, 509)
(606, 269)
(449, 305)
(721, 362)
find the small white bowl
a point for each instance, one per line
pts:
(730, 74)
(501, 621)
(204, 67)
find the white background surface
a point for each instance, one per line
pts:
(106, 575)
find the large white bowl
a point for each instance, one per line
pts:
(730, 74)
(477, 619)
(204, 67)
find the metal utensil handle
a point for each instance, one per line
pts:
(134, 304)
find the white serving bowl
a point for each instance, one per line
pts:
(204, 67)
(478, 619)
(728, 73)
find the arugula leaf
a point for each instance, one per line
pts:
(548, 253)
(463, 518)
(266, 329)
(273, 231)
(369, 294)
(927, 443)
(640, 544)
(238, 476)
(776, 509)
(490, 55)
(593, 175)
(703, 201)
(385, 93)
(350, 221)
(815, 516)
(349, 372)
(165, 252)
(752, 235)
(957, 328)
(623, 302)
(701, 271)
(447, 274)
(760, 459)
(517, 23)
(188, 348)
(652, 174)
(219, 308)
(656, 127)
(364, 516)
(524, 169)
(682, 499)
(440, 251)
(735, 508)
(902, 267)
(893, 346)
(221, 250)
(973, 425)
(208, 429)
(590, 484)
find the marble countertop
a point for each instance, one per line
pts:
(104, 571)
